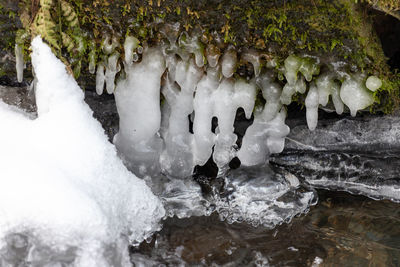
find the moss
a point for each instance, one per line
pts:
(334, 30)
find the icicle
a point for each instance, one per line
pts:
(272, 94)
(204, 111)
(138, 103)
(100, 78)
(229, 63)
(290, 89)
(108, 47)
(228, 97)
(308, 68)
(19, 63)
(245, 96)
(254, 58)
(177, 157)
(326, 87)
(263, 138)
(225, 111)
(312, 103)
(355, 95)
(92, 61)
(192, 45)
(112, 69)
(213, 54)
(266, 134)
(131, 43)
(373, 83)
(292, 65)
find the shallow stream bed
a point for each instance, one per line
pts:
(342, 229)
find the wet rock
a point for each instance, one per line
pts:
(21, 97)
(358, 155)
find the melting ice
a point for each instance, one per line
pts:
(65, 196)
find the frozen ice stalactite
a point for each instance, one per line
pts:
(138, 103)
(292, 65)
(327, 86)
(228, 63)
(228, 97)
(130, 44)
(308, 68)
(290, 89)
(254, 58)
(100, 78)
(92, 57)
(112, 68)
(355, 95)
(73, 201)
(311, 103)
(204, 138)
(19, 63)
(177, 157)
(213, 54)
(267, 133)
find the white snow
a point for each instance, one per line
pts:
(61, 182)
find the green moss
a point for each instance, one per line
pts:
(334, 30)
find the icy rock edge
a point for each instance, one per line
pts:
(65, 196)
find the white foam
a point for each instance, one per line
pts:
(61, 182)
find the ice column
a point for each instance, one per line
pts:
(138, 103)
(228, 98)
(204, 111)
(267, 133)
(177, 157)
(312, 103)
(19, 63)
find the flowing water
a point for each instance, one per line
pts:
(342, 229)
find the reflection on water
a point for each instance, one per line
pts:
(341, 229)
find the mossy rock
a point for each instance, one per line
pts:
(332, 30)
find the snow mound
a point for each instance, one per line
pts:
(65, 196)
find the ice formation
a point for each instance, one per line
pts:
(354, 94)
(373, 83)
(19, 63)
(65, 196)
(193, 94)
(259, 196)
(138, 103)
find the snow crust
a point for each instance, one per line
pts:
(62, 187)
